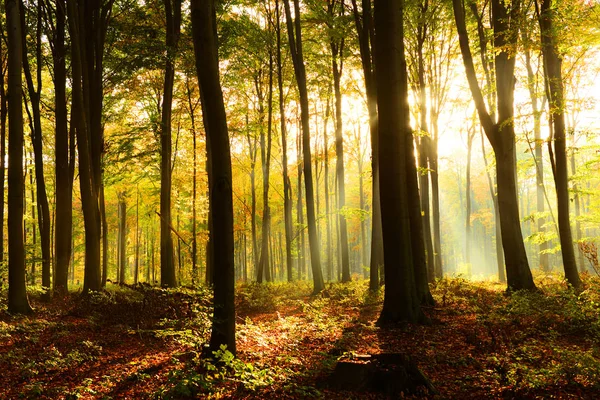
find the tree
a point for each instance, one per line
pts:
(295, 41)
(17, 291)
(287, 185)
(63, 165)
(215, 124)
(337, 63)
(81, 118)
(501, 133)
(365, 29)
(35, 121)
(122, 238)
(401, 302)
(167, 264)
(556, 103)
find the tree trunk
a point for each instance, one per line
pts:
(3, 115)
(337, 62)
(204, 33)
(137, 237)
(468, 197)
(365, 34)
(424, 142)
(122, 236)
(287, 186)
(538, 159)
(554, 87)
(298, 61)
(34, 92)
(266, 167)
(400, 298)
(17, 292)
(89, 194)
(191, 110)
(494, 196)
(501, 134)
(435, 201)
(167, 264)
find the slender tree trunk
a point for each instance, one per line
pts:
(468, 197)
(122, 236)
(266, 166)
(298, 60)
(253, 148)
(329, 250)
(577, 200)
(336, 54)
(435, 201)
(554, 85)
(424, 142)
(3, 115)
(204, 33)
(539, 162)
(137, 237)
(494, 197)
(167, 265)
(501, 134)
(300, 215)
(365, 35)
(287, 186)
(192, 109)
(34, 91)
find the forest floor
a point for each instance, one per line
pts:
(147, 343)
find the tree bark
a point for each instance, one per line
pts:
(17, 291)
(365, 31)
(168, 276)
(298, 61)
(265, 254)
(501, 134)
(287, 186)
(204, 33)
(400, 302)
(554, 87)
(122, 250)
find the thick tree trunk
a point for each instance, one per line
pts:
(401, 302)
(298, 60)
(17, 292)
(89, 195)
(207, 66)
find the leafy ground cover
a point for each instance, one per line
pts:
(143, 342)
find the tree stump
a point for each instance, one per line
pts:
(389, 373)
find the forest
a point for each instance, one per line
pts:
(299, 199)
